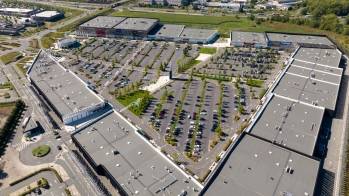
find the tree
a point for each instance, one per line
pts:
(330, 22)
(252, 17)
(346, 31)
(304, 11)
(241, 109)
(347, 20)
(319, 8)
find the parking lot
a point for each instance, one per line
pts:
(123, 63)
(196, 117)
(244, 62)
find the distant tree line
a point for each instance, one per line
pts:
(323, 15)
(320, 14)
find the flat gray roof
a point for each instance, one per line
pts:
(328, 57)
(138, 24)
(249, 37)
(103, 22)
(306, 39)
(318, 67)
(259, 168)
(327, 74)
(169, 30)
(289, 123)
(48, 14)
(308, 90)
(60, 86)
(137, 167)
(18, 10)
(193, 33)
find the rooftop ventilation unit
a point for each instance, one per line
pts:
(312, 74)
(312, 126)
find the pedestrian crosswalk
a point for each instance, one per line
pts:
(21, 146)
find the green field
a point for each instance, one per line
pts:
(225, 24)
(50, 38)
(222, 23)
(137, 101)
(207, 50)
(255, 83)
(11, 57)
(20, 64)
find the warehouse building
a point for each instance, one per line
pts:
(48, 16)
(144, 28)
(256, 167)
(291, 40)
(101, 26)
(180, 33)
(10, 29)
(308, 90)
(235, 7)
(320, 56)
(135, 27)
(9, 11)
(290, 124)
(274, 156)
(169, 32)
(313, 76)
(165, 2)
(248, 39)
(115, 149)
(67, 94)
(198, 36)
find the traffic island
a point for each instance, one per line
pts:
(41, 151)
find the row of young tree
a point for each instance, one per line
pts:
(10, 124)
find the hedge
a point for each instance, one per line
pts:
(36, 172)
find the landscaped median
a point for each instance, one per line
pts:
(21, 64)
(41, 183)
(208, 50)
(255, 82)
(11, 57)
